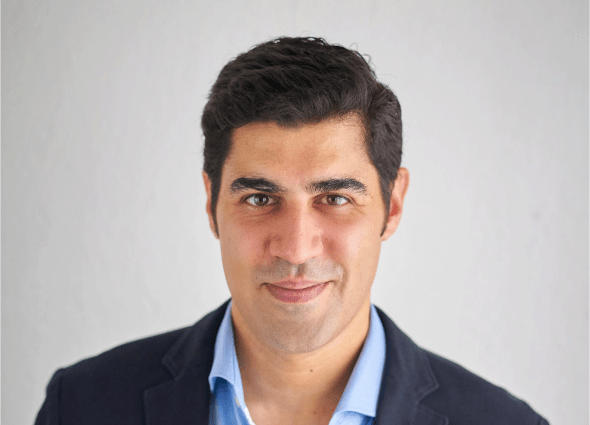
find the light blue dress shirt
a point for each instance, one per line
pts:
(357, 406)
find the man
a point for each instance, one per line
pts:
(302, 171)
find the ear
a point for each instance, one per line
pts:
(396, 203)
(212, 223)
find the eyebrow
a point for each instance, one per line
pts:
(337, 184)
(329, 185)
(260, 184)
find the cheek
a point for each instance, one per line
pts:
(355, 244)
(242, 247)
(343, 241)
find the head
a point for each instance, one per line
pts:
(295, 81)
(302, 170)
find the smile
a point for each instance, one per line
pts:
(296, 292)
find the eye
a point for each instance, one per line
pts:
(259, 200)
(335, 200)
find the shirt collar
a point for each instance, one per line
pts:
(362, 390)
(225, 361)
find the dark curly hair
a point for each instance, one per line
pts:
(294, 81)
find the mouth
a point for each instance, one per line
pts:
(296, 291)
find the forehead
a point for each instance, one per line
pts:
(334, 146)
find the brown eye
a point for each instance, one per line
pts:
(259, 200)
(335, 200)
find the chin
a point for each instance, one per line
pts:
(299, 333)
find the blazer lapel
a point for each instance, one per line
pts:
(185, 399)
(178, 402)
(407, 379)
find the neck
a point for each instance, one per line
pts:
(303, 386)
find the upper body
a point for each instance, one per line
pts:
(164, 380)
(304, 183)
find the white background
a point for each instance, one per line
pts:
(104, 232)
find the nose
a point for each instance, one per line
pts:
(297, 237)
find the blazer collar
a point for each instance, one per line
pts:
(407, 379)
(185, 399)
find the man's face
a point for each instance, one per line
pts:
(300, 216)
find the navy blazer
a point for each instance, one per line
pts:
(163, 380)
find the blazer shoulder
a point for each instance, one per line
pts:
(423, 387)
(135, 355)
(466, 398)
(148, 354)
(108, 386)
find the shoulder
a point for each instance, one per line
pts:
(123, 362)
(465, 397)
(150, 358)
(440, 388)
(110, 386)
